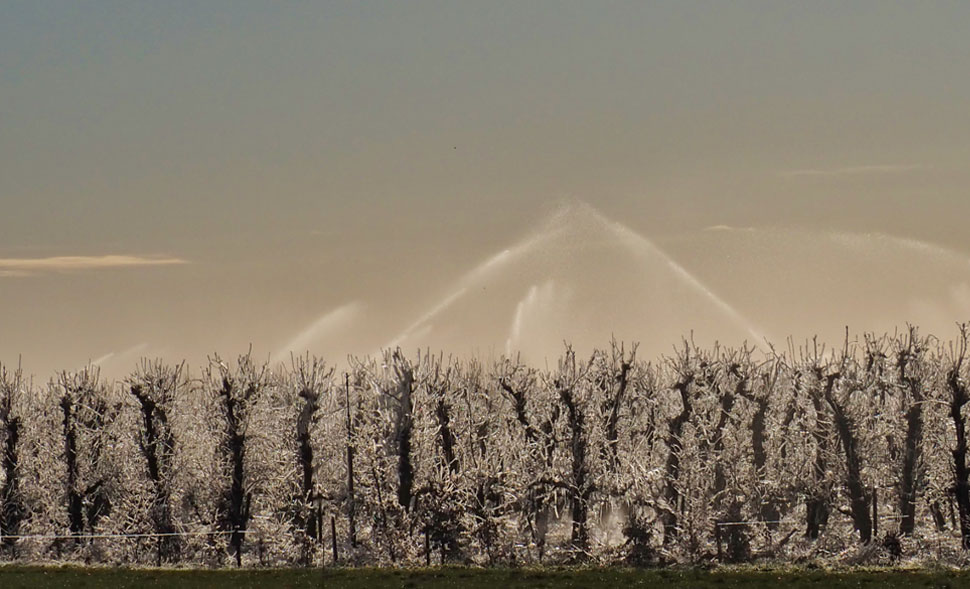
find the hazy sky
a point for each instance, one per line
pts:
(251, 167)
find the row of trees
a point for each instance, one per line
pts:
(710, 454)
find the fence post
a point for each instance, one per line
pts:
(427, 547)
(319, 517)
(875, 512)
(717, 539)
(333, 538)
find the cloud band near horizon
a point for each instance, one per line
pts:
(12, 267)
(856, 170)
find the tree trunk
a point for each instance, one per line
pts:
(613, 419)
(961, 486)
(580, 489)
(404, 425)
(305, 463)
(75, 501)
(237, 501)
(672, 468)
(539, 512)
(816, 505)
(859, 497)
(910, 474)
(11, 505)
(351, 497)
(726, 401)
(157, 446)
(447, 437)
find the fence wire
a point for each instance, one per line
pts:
(119, 536)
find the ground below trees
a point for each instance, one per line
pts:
(16, 577)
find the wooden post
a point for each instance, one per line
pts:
(319, 516)
(333, 538)
(351, 503)
(768, 537)
(717, 539)
(427, 547)
(875, 513)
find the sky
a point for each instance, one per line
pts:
(181, 179)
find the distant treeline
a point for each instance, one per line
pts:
(855, 453)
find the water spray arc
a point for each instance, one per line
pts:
(492, 264)
(577, 220)
(327, 324)
(644, 248)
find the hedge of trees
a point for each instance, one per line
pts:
(856, 453)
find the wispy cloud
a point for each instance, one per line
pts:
(12, 267)
(854, 170)
(13, 273)
(877, 242)
(728, 228)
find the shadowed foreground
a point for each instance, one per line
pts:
(15, 577)
(467, 578)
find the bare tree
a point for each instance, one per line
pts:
(311, 378)
(911, 364)
(237, 391)
(444, 494)
(838, 398)
(766, 390)
(959, 395)
(155, 387)
(85, 412)
(686, 374)
(809, 379)
(613, 377)
(350, 453)
(568, 382)
(399, 392)
(728, 378)
(12, 508)
(520, 385)
(490, 475)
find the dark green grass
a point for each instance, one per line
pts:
(15, 577)
(627, 579)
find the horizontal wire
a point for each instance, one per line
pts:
(771, 522)
(116, 536)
